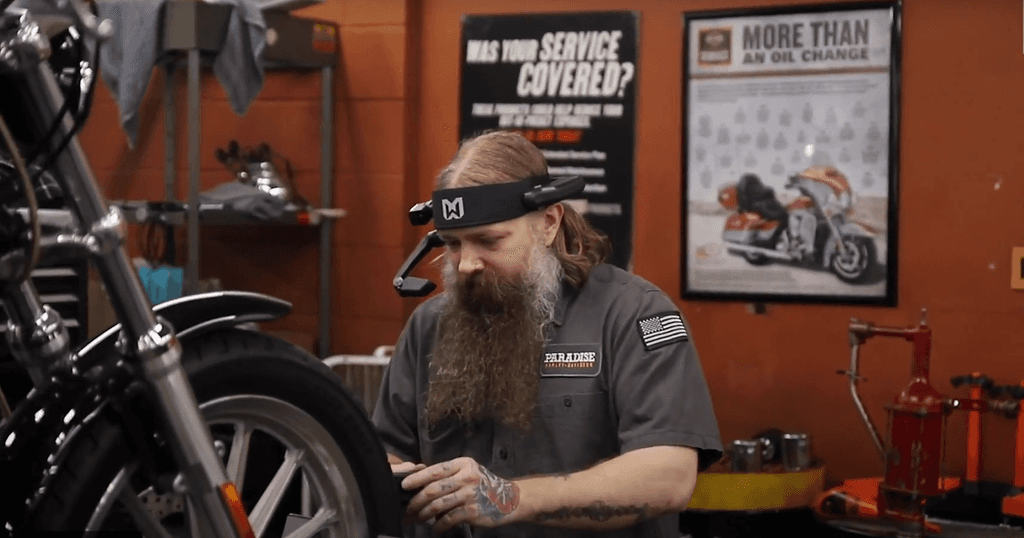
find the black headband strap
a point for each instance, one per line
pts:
(463, 207)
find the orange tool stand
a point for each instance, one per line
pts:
(1014, 506)
(913, 498)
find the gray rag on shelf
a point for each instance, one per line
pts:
(245, 199)
(127, 58)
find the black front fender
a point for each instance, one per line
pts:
(195, 314)
(37, 438)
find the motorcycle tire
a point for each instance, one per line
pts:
(271, 390)
(756, 259)
(857, 265)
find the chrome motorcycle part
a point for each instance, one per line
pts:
(192, 315)
(267, 401)
(190, 441)
(160, 356)
(52, 443)
(36, 334)
(26, 47)
(98, 29)
(836, 241)
(310, 453)
(108, 233)
(756, 255)
(34, 439)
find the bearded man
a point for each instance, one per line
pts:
(543, 392)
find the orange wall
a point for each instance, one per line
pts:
(961, 196)
(369, 173)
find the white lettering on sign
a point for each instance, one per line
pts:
(572, 359)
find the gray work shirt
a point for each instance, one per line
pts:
(618, 374)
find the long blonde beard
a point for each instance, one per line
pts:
(490, 341)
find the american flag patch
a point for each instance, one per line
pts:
(662, 329)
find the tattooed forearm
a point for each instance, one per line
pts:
(598, 511)
(496, 496)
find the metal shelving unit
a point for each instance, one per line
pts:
(197, 29)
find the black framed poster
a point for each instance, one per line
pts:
(565, 81)
(790, 154)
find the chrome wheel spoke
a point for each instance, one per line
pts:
(239, 454)
(111, 494)
(261, 515)
(307, 496)
(320, 521)
(193, 520)
(328, 489)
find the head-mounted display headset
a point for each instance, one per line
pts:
(463, 207)
(478, 205)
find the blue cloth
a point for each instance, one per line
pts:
(161, 283)
(127, 58)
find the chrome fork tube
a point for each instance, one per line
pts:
(36, 333)
(150, 340)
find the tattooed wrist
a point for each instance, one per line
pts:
(597, 511)
(496, 496)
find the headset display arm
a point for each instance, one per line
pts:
(408, 286)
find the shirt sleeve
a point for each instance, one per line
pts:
(395, 415)
(657, 383)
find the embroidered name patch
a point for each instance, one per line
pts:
(571, 360)
(662, 329)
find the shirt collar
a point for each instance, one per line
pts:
(568, 294)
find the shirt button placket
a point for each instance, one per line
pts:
(503, 456)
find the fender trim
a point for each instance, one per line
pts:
(195, 314)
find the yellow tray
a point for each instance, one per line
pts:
(773, 489)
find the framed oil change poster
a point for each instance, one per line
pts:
(565, 81)
(790, 153)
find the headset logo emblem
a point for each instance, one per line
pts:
(452, 209)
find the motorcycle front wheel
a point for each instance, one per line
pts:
(296, 444)
(855, 263)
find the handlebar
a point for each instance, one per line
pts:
(84, 20)
(988, 386)
(973, 379)
(92, 26)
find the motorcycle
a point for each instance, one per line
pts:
(764, 231)
(181, 419)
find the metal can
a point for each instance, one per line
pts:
(746, 456)
(796, 451)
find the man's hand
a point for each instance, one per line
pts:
(406, 467)
(461, 491)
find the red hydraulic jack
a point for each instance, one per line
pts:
(914, 498)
